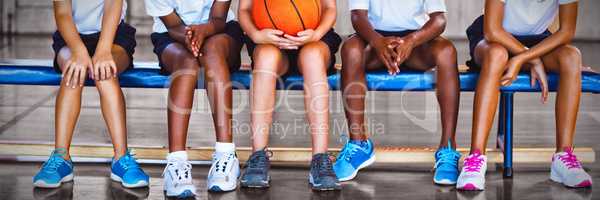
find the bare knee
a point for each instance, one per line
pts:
(496, 54)
(444, 52)
(267, 58)
(216, 50)
(352, 55)
(570, 60)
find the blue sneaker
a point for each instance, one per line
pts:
(353, 158)
(321, 176)
(55, 171)
(446, 166)
(127, 171)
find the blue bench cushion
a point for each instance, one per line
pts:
(376, 81)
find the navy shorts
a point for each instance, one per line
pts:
(331, 39)
(162, 40)
(475, 35)
(125, 37)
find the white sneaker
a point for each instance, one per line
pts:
(178, 177)
(566, 169)
(224, 172)
(472, 176)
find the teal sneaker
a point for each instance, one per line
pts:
(55, 171)
(353, 157)
(128, 172)
(446, 166)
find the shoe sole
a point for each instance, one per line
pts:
(320, 187)
(183, 195)
(43, 184)
(139, 184)
(444, 182)
(256, 184)
(557, 178)
(367, 163)
(217, 188)
(470, 187)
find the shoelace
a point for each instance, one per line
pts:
(348, 152)
(129, 161)
(473, 163)
(447, 157)
(324, 165)
(222, 161)
(53, 163)
(181, 168)
(258, 160)
(570, 160)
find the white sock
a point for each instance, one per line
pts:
(181, 155)
(224, 147)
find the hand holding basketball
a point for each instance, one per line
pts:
(274, 37)
(291, 16)
(303, 37)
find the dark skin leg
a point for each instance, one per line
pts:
(68, 105)
(220, 52)
(438, 52)
(565, 60)
(183, 67)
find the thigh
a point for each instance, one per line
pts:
(224, 46)
(121, 58)
(64, 54)
(423, 57)
(175, 57)
(552, 60)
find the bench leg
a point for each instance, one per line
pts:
(507, 100)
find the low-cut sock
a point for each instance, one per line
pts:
(180, 155)
(224, 148)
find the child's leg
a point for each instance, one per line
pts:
(493, 58)
(354, 86)
(220, 51)
(112, 103)
(440, 52)
(183, 67)
(313, 61)
(566, 60)
(269, 63)
(68, 105)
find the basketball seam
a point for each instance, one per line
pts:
(269, 14)
(298, 13)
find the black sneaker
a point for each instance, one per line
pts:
(322, 176)
(256, 174)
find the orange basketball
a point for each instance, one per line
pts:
(289, 16)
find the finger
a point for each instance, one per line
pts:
(533, 79)
(69, 73)
(295, 39)
(106, 70)
(276, 32)
(68, 65)
(101, 69)
(75, 77)
(82, 77)
(199, 46)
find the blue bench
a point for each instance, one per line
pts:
(146, 77)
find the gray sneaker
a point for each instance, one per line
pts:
(322, 176)
(256, 174)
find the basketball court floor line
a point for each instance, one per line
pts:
(26, 112)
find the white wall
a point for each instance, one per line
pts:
(35, 16)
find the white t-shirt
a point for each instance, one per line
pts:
(87, 15)
(398, 15)
(530, 17)
(190, 11)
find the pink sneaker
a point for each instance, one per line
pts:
(472, 176)
(566, 169)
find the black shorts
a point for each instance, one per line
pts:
(475, 35)
(331, 39)
(125, 37)
(162, 40)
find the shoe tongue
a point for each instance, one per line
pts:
(476, 153)
(568, 150)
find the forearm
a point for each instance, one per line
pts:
(327, 22)
(507, 40)
(110, 22)
(432, 29)
(547, 45)
(218, 18)
(66, 27)
(363, 27)
(246, 23)
(177, 33)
